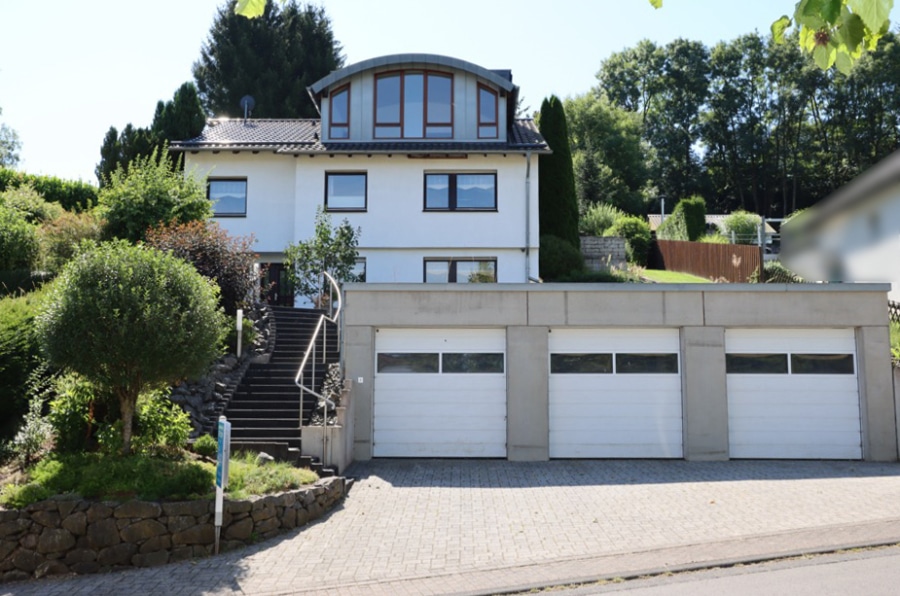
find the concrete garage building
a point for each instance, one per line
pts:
(532, 372)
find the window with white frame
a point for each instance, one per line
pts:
(460, 270)
(228, 196)
(345, 191)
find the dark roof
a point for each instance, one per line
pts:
(304, 136)
(399, 60)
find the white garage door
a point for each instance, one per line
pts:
(615, 393)
(440, 393)
(793, 394)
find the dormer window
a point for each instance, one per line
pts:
(414, 105)
(339, 114)
(488, 127)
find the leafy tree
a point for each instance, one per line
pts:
(150, 193)
(178, 119)
(131, 319)
(558, 205)
(330, 249)
(229, 261)
(833, 32)
(273, 58)
(9, 146)
(608, 156)
(19, 356)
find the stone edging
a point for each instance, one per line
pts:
(61, 535)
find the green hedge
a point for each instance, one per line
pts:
(72, 195)
(558, 258)
(19, 357)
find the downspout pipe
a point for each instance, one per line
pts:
(527, 215)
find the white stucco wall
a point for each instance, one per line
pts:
(283, 193)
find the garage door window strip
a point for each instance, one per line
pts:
(795, 364)
(441, 363)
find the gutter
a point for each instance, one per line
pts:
(527, 215)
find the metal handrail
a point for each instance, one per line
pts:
(334, 290)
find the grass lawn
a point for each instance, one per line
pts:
(672, 277)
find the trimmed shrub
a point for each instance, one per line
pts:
(71, 195)
(598, 218)
(694, 211)
(227, 260)
(18, 240)
(636, 232)
(744, 226)
(558, 258)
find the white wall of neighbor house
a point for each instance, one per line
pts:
(397, 234)
(528, 312)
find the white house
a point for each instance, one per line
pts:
(424, 153)
(854, 234)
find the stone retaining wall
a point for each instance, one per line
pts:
(73, 536)
(602, 252)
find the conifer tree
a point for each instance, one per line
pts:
(557, 199)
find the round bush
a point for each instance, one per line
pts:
(206, 446)
(636, 233)
(558, 258)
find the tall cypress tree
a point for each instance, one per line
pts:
(558, 208)
(273, 58)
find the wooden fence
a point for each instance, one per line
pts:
(729, 262)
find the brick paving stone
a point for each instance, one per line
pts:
(438, 526)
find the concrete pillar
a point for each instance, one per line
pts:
(527, 391)
(704, 393)
(876, 394)
(359, 360)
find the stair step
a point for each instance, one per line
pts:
(292, 423)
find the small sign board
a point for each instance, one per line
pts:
(222, 457)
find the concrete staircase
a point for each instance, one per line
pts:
(265, 411)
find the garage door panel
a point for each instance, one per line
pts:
(438, 410)
(615, 414)
(738, 411)
(793, 415)
(435, 414)
(613, 423)
(434, 448)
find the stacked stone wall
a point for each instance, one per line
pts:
(602, 252)
(61, 535)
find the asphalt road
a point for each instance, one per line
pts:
(872, 572)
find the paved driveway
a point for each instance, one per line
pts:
(405, 520)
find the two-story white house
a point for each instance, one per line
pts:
(423, 153)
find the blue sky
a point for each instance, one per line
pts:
(71, 69)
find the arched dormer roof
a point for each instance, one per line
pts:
(398, 60)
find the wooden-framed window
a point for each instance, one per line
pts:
(345, 191)
(445, 191)
(488, 110)
(414, 105)
(339, 114)
(460, 270)
(228, 196)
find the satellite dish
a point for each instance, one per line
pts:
(247, 103)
